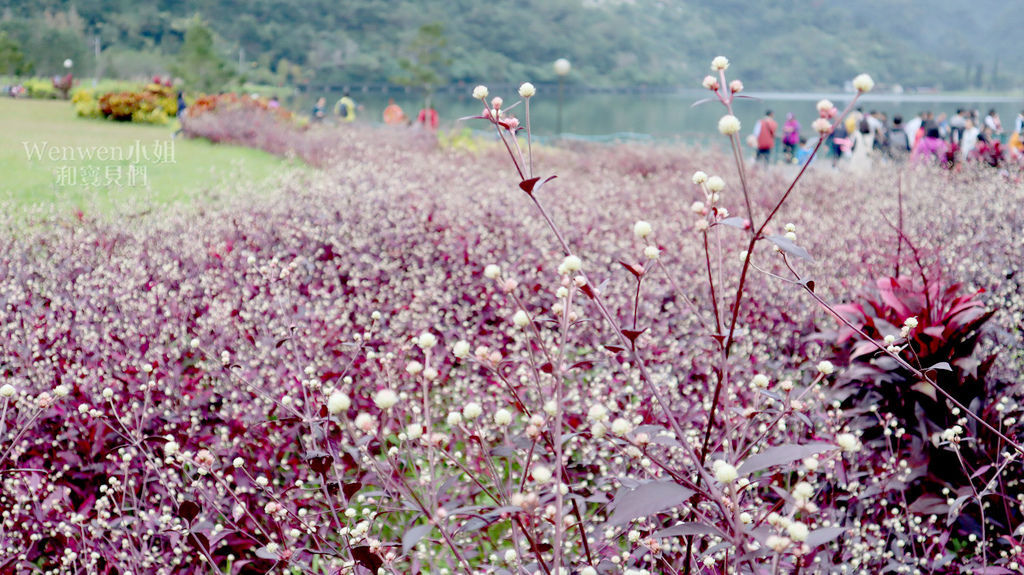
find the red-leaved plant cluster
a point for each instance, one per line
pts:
(404, 363)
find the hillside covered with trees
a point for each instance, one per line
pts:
(782, 45)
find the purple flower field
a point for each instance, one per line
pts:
(389, 365)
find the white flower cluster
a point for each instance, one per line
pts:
(729, 125)
(570, 265)
(338, 402)
(863, 83)
(724, 472)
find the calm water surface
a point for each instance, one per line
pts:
(661, 116)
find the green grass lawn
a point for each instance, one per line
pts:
(42, 144)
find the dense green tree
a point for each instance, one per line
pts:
(198, 63)
(425, 62)
(12, 60)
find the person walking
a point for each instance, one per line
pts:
(790, 137)
(319, 110)
(428, 118)
(393, 114)
(993, 123)
(345, 108)
(767, 128)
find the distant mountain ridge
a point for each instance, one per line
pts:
(776, 45)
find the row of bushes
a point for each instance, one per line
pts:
(153, 104)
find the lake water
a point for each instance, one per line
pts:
(664, 116)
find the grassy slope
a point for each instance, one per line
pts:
(200, 168)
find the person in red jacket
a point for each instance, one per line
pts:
(766, 130)
(428, 118)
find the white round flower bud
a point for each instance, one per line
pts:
(821, 126)
(729, 125)
(492, 272)
(597, 412)
(7, 390)
(502, 417)
(337, 403)
(414, 431)
(641, 229)
(863, 83)
(480, 93)
(803, 490)
(426, 340)
(238, 462)
(461, 349)
(541, 474)
(710, 82)
(826, 367)
(797, 531)
(652, 252)
(472, 410)
(621, 427)
(825, 106)
(719, 63)
(527, 90)
(454, 418)
(716, 184)
(570, 264)
(521, 319)
(699, 177)
(724, 472)
(385, 399)
(848, 442)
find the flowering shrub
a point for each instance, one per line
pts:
(154, 104)
(247, 121)
(393, 364)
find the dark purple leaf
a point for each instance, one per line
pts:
(781, 455)
(199, 541)
(321, 463)
(188, 510)
(647, 499)
(587, 290)
(631, 335)
(533, 185)
(639, 273)
(364, 557)
(614, 348)
(350, 489)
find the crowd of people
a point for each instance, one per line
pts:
(345, 110)
(867, 137)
